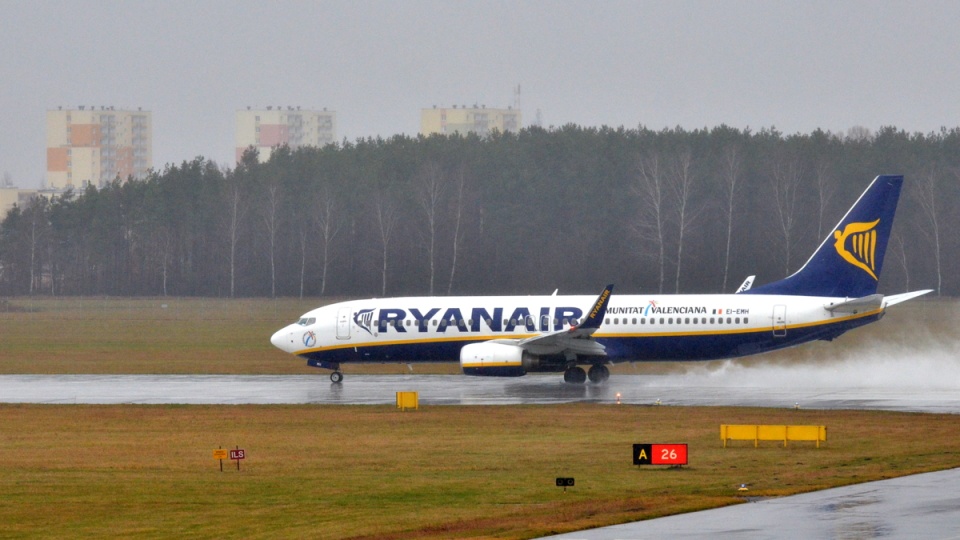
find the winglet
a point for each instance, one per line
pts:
(598, 311)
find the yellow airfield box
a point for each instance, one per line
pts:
(408, 400)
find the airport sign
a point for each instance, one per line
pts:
(660, 454)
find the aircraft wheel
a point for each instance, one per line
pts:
(598, 373)
(336, 377)
(574, 375)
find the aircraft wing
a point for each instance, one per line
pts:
(577, 339)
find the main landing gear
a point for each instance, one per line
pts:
(597, 374)
(336, 377)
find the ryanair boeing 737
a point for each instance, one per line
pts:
(835, 291)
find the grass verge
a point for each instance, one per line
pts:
(441, 472)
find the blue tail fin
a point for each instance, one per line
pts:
(848, 262)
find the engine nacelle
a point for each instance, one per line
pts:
(494, 360)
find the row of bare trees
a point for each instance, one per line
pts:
(571, 208)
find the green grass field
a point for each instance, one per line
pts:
(375, 472)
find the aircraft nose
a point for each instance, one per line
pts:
(281, 339)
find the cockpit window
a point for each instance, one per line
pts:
(307, 321)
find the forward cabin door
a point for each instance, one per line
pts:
(343, 323)
(779, 321)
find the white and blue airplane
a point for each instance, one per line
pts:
(835, 291)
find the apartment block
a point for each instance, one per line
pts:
(463, 120)
(95, 145)
(268, 128)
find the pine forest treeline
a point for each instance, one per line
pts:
(567, 208)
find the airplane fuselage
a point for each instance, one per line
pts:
(634, 328)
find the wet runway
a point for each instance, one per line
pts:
(918, 506)
(688, 389)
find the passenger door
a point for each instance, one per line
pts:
(343, 323)
(779, 321)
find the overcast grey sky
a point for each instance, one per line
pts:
(793, 65)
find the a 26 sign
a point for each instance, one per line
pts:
(660, 454)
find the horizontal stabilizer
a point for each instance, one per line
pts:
(857, 305)
(897, 298)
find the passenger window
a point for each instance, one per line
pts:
(670, 320)
(728, 320)
(513, 322)
(574, 322)
(712, 320)
(606, 321)
(616, 320)
(745, 320)
(738, 320)
(687, 320)
(661, 320)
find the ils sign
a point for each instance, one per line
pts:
(660, 454)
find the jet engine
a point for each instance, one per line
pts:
(494, 359)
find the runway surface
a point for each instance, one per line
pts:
(461, 390)
(918, 506)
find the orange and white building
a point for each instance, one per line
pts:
(266, 129)
(95, 145)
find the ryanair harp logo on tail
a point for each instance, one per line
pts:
(857, 244)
